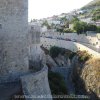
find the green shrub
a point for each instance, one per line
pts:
(98, 29)
(57, 84)
(54, 51)
(83, 56)
(96, 15)
(80, 27)
(72, 55)
(67, 30)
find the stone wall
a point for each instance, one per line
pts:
(34, 32)
(65, 73)
(82, 47)
(13, 36)
(73, 46)
(34, 46)
(90, 38)
(35, 86)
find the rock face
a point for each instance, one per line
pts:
(88, 75)
(91, 76)
(61, 61)
(13, 36)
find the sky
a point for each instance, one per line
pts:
(46, 8)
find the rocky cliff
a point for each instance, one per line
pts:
(91, 76)
(86, 77)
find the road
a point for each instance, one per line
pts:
(74, 41)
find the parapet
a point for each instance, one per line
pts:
(35, 86)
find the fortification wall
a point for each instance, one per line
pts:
(73, 46)
(89, 38)
(13, 36)
(81, 47)
(34, 46)
(36, 85)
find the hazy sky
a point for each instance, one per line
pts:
(46, 8)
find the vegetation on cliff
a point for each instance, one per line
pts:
(57, 84)
(83, 56)
(55, 51)
(93, 4)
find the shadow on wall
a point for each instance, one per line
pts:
(35, 65)
(80, 83)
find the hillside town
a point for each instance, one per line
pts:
(53, 58)
(75, 26)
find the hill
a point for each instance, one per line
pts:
(92, 5)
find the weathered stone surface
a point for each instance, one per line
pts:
(13, 36)
(61, 61)
(35, 86)
(7, 90)
(91, 76)
(34, 44)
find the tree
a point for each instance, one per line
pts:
(98, 29)
(65, 22)
(91, 27)
(75, 19)
(96, 15)
(59, 29)
(53, 25)
(45, 23)
(80, 27)
(64, 19)
(84, 27)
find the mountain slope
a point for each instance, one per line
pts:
(93, 4)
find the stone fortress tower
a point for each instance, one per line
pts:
(13, 36)
(34, 47)
(16, 49)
